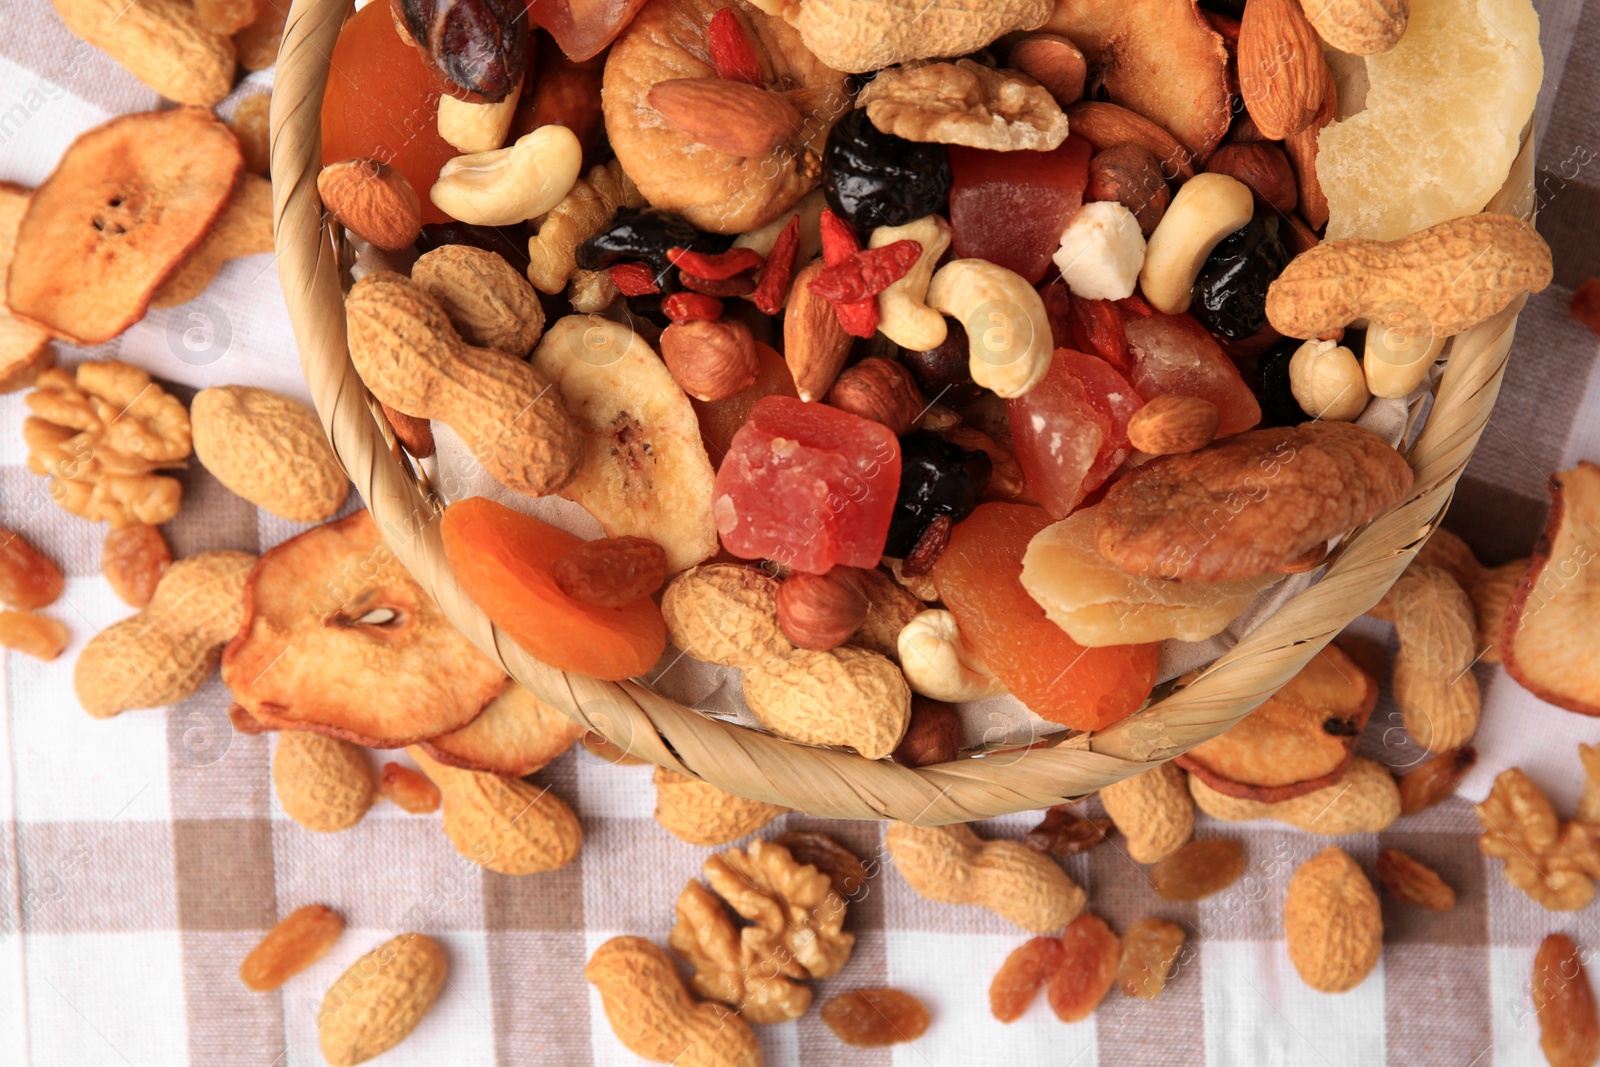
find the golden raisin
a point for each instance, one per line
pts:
(1410, 881)
(1149, 949)
(1065, 832)
(300, 939)
(1569, 1028)
(843, 867)
(1089, 957)
(408, 789)
(1436, 779)
(133, 560)
(600, 748)
(249, 125)
(874, 1018)
(28, 580)
(1022, 975)
(36, 635)
(1198, 869)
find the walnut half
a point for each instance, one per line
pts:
(1554, 862)
(794, 933)
(965, 103)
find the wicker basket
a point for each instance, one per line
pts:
(751, 763)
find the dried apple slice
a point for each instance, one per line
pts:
(338, 638)
(516, 735)
(1156, 57)
(1299, 741)
(128, 201)
(1551, 639)
(24, 347)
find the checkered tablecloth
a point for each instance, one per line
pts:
(141, 857)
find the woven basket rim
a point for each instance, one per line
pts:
(749, 762)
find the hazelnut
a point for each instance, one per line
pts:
(822, 611)
(711, 359)
(881, 390)
(1263, 167)
(934, 735)
(1131, 175)
(1054, 62)
(945, 373)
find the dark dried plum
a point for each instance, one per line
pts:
(936, 478)
(944, 374)
(479, 46)
(645, 236)
(1230, 295)
(876, 179)
(509, 242)
(1278, 405)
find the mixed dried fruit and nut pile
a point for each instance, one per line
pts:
(922, 353)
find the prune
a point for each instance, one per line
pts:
(876, 179)
(936, 478)
(944, 374)
(1278, 405)
(480, 46)
(509, 242)
(1230, 295)
(646, 236)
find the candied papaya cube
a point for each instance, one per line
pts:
(806, 485)
(1010, 207)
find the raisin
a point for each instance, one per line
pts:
(408, 789)
(936, 478)
(843, 867)
(133, 560)
(875, 179)
(1064, 831)
(1230, 294)
(36, 635)
(1410, 881)
(302, 938)
(1149, 949)
(1198, 869)
(27, 579)
(944, 374)
(1090, 953)
(648, 235)
(510, 243)
(1278, 405)
(875, 1018)
(480, 46)
(1022, 975)
(1569, 1028)
(1436, 779)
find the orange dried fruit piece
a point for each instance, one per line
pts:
(1299, 741)
(124, 206)
(1551, 640)
(24, 347)
(339, 638)
(133, 560)
(1410, 881)
(41, 637)
(979, 577)
(300, 939)
(876, 1018)
(1198, 869)
(408, 789)
(1149, 949)
(1563, 1000)
(1089, 958)
(516, 735)
(1022, 975)
(503, 560)
(28, 579)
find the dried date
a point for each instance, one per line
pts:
(478, 46)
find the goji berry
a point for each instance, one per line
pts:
(867, 272)
(738, 285)
(773, 290)
(634, 279)
(732, 54)
(715, 266)
(690, 307)
(1137, 305)
(839, 240)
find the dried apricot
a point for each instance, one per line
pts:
(408, 789)
(1410, 881)
(1064, 831)
(1436, 779)
(1569, 1028)
(27, 579)
(611, 572)
(503, 560)
(1022, 975)
(1089, 958)
(1149, 949)
(1198, 869)
(133, 560)
(300, 939)
(843, 867)
(38, 636)
(875, 1018)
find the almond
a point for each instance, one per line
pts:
(1263, 167)
(881, 390)
(821, 611)
(380, 999)
(1106, 125)
(711, 359)
(814, 344)
(1281, 69)
(1301, 148)
(1173, 423)
(728, 116)
(373, 201)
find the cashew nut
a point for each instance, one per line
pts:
(1396, 361)
(937, 665)
(469, 127)
(1008, 333)
(511, 184)
(762, 238)
(903, 317)
(1208, 208)
(1327, 381)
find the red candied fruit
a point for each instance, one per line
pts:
(1175, 354)
(1071, 430)
(979, 576)
(398, 125)
(1010, 207)
(808, 486)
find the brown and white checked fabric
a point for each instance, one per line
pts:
(141, 857)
